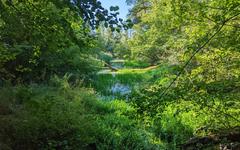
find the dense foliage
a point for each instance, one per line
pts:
(39, 39)
(177, 75)
(61, 117)
(201, 38)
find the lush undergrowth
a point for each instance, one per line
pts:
(186, 110)
(58, 116)
(176, 118)
(68, 116)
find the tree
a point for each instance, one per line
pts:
(172, 26)
(40, 38)
(201, 37)
(140, 7)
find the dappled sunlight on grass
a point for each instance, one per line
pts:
(134, 70)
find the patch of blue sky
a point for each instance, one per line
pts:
(123, 7)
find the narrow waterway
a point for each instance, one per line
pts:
(113, 87)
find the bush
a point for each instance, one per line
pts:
(49, 118)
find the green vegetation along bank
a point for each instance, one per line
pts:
(175, 83)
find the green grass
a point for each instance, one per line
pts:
(135, 64)
(132, 77)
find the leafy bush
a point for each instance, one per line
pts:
(51, 117)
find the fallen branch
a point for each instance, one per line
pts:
(230, 136)
(111, 67)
